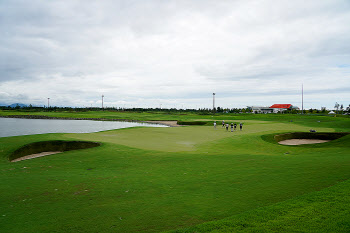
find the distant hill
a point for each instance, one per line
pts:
(14, 105)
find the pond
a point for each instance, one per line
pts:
(16, 127)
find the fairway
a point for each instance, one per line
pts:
(158, 179)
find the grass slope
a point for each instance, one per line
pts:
(157, 179)
(323, 211)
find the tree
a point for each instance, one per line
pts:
(336, 106)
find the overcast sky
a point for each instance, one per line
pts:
(175, 53)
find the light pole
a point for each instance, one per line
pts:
(302, 99)
(213, 102)
(102, 101)
(48, 102)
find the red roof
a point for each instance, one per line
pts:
(281, 106)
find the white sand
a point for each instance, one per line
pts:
(168, 123)
(32, 156)
(302, 141)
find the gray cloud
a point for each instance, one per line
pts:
(173, 51)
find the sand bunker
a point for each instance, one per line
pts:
(40, 149)
(168, 123)
(36, 155)
(302, 141)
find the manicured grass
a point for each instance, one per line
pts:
(187, 138)
(158, 179)
(325, 211)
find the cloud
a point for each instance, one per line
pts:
(173, 52)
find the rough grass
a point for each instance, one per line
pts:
(157, 179)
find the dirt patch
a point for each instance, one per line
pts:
(32, 156)
(302, 141)
(168, 123)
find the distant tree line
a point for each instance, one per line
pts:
(202, 111)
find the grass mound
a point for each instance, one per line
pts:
(57, 145)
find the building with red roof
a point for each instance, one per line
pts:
(273, 109)
(286, 106)
(281, 107)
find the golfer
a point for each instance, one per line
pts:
(223, 124)
(231, 127)
(226, 127)
(235, 126)
(214, 124)
(241, 125)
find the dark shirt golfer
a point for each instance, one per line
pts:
(240, 126)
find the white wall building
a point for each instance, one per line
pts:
(260, 109)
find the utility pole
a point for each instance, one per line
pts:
(102, 101)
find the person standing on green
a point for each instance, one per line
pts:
(241, 125)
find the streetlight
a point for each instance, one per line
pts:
(302, 99)
(213, 102)
(102, 101)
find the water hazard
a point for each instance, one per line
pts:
(16, 127)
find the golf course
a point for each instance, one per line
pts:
(191, 178)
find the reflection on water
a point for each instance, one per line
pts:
(15, 127)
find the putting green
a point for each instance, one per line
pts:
(184, 138)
